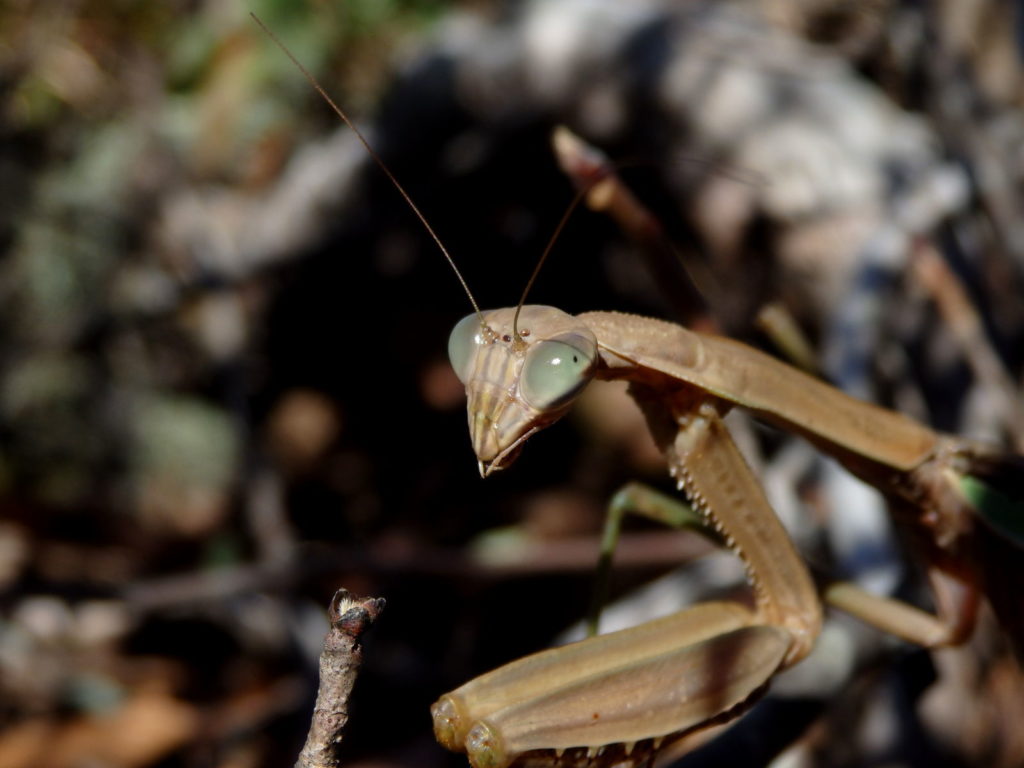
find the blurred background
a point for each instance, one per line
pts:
(224, 390)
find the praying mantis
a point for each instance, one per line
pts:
(613, 699)
(523, 367)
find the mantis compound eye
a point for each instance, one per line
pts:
(462, 345)
(557, 369)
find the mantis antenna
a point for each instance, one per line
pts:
(376, 158)
(543, 257)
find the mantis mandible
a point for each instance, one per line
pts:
(615, 698)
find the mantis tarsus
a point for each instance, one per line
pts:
(621, 694)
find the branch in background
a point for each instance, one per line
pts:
(342, 656)
(963, 320)
(685, 284)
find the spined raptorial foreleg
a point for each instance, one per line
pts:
(654, 680)
(664, 677)
(711, 471)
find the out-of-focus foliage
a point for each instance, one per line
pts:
(108, 109)
(126, 434)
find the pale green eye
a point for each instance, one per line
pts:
(556, 370)
(462, 345)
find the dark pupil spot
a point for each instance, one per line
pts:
(575, 359)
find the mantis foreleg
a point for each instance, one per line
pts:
(686, 674)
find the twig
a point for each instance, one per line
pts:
(778, 323)
(685, 284)
(965, 323)
(525, 557)
(342, 656)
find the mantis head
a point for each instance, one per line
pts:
(517, 383)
